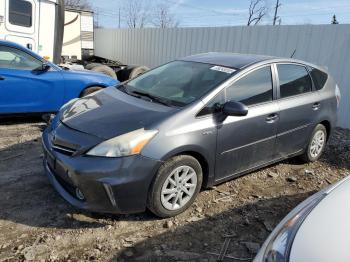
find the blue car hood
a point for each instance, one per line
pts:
(84, 72)
(110, 113)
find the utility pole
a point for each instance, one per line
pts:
(119, 18)
(278, 5)
(97, 18)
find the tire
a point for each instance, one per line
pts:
(90, 90)
(157, 202)
(316, 144)
(131, 72)
(139, 70)
(92, 65)
(105, 70)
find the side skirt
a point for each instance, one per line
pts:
(242, 173)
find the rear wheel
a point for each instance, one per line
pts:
(105, 70)
(92, 65)
(316, 144)
(90, 90)
(175, 187)
(131, 72)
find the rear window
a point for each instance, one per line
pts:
(20, 13)
(319, 78)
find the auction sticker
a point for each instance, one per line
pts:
(223, 69)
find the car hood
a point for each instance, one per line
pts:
(110, 113)
(325, 233)
(90, 76)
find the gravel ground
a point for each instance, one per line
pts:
(36, 224)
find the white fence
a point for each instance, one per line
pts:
(326, 45)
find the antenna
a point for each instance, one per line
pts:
(295, 50)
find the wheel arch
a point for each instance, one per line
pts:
(200, 157)
(327, 124)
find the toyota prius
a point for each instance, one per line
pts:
(153, 142)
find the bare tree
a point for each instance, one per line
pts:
(257, 10)
(135, 13)
(81, 4)
(163, 18)
(275, 17)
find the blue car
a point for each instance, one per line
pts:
(29, 84)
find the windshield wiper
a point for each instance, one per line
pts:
(124, 89)
(152, 97)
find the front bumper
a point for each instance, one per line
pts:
(109, 185)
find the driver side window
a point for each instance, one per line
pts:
(252, 89)
(13, 58)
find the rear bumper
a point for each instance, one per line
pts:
(108, 185)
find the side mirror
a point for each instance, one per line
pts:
(45, 67)
(233, 108)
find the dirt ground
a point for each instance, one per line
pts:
(36, 224)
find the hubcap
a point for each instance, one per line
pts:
(317, 143)
(179, 188)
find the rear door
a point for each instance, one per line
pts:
(23, 88)
(247, 142)
(298, 107)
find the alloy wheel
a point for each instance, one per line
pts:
(178, 188)
(317, 143)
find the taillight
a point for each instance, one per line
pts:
(337, 94)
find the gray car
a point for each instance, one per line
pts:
(154, 141)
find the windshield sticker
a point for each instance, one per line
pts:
(223, 69)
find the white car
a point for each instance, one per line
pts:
(317, 230)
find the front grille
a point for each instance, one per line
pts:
(63, 150)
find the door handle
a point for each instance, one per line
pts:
(272, 118)
(2, 78)
(316, 106)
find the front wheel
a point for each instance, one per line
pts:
(316, 144)
(175, 187)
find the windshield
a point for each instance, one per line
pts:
(179, 82)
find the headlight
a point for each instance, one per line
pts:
(278, 245)
(278, 249)
(125, 145)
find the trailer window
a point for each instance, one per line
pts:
(20, 13)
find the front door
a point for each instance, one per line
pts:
(247, 142)
(24, 88)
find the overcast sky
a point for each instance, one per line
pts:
(231, 12)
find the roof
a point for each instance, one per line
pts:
(232, 60)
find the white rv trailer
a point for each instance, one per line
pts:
(35, 24)
(78, 40)
(40, 24)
